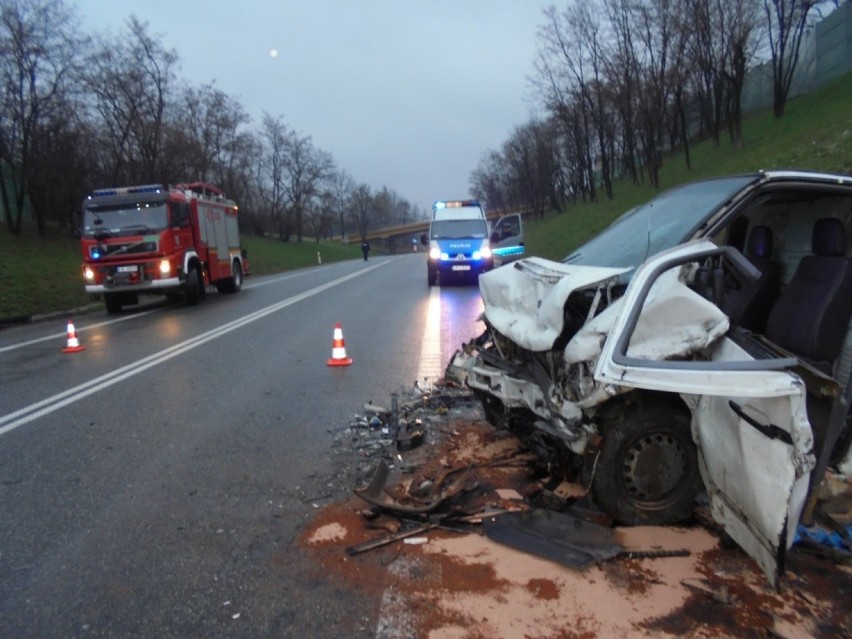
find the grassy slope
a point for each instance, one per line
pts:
(39, 275)
(815, 133)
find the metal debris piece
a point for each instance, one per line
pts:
(549, 500)
(406, 438)
(653, 554)
(370, 407)
(388, 539)
(570, 541)
(376, 492)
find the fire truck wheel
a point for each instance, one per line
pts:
(112, 301)
(237, 278)
(233, 283)
(193, 287)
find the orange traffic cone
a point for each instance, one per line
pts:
(338, 349)
(73, 343)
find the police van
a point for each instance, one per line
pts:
(461, 244)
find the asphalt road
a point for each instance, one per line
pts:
(154, 484)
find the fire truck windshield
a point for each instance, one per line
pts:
(126, 219)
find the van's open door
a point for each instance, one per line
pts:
(507, 239)
(749, 418)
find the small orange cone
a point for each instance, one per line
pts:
(73, 343)
(338, 349)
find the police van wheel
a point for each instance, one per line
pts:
(432, 277)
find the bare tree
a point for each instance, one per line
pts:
(622, 72)
(305, 170)
(742, 19)
(272, 174)
(131, 78)
(38, 54)
(786, 21)
(569, 67)
(319, 214)
(530, 159)
(362, 205)
(341, 188)
(488, 181)
(679, 74)
(211, 124)
(653, 26)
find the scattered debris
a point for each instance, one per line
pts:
(563, 538)
(676, 581)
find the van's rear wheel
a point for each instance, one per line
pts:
(647, 469)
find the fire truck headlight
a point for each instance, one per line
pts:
(165, 267)
(88, 274)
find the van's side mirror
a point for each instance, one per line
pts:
(495, 237)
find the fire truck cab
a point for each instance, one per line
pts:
(158, 240)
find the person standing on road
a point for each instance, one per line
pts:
(365, 249)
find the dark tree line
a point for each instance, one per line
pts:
(621, 83)
(79, 112)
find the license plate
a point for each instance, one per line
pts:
(461, 267)
(127, 269)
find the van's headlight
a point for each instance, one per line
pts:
(435, 253)
(482, 254)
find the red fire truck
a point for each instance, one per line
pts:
(152, 239)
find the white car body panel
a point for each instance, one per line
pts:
(525, 301)
(757, 484)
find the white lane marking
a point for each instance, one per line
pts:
(78, 329)
(430, 349)
(395, 615)
(46, 406)
(82, 329)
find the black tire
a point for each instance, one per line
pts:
(237, 277)
(193, 287)
(647, 471)
(234, 283)
(113, 303)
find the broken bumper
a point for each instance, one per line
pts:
(558, 418)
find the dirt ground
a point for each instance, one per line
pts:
(457, 583)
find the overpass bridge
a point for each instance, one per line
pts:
(398, 239)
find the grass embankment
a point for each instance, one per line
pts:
(40, 275)
(815, 133)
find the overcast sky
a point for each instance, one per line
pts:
(407, 94)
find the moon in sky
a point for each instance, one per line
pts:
(273, 53)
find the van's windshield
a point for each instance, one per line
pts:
(457, 229)
(664, 222)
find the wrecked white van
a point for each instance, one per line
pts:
(701, 342)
